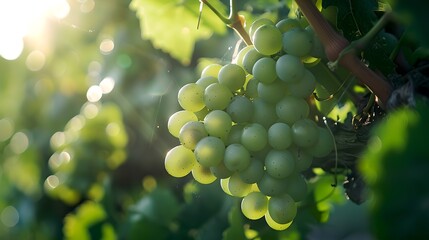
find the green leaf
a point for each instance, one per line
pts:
(171, 25)
(235, 230)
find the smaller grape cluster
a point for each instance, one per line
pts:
(247, 123)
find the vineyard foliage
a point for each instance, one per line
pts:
(85, 108)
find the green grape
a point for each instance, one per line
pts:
(211, 70)
(304, 87)
(297, 187)
(178, 119)
(272, 92)
(202, 174)
(280, 136)
(303, 159)
(179, 161)
(289, 68)
(224, 182)
(282, 208)
(240, 109)
(258, 23)
(254, 172)
(218, 123)
(191, 97)
(240, 56)
(271, 186)
(234, 135)
(217, 96)
(279, 163)
(264, 113)
(287, 24)
(209, 151)
(191, 133)
(202, 114)
(236, 158)
(250, 59)
(232, 76)
(204, 82)
(220, 171)
(267, 40)
(297, 42)
(305, 133)
(254, 205)
(265, 70)
(290, 109)
(251, 88)
(254, 137)
(324, 145)
(275, 225)
(317, 50)
(237, 187)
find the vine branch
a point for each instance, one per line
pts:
(334, 44)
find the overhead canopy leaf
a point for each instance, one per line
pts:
(171, 25)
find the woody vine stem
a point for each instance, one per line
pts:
(337, 48)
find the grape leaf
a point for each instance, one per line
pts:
(171, 25)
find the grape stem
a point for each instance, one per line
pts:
(334, 44)
(234, 20)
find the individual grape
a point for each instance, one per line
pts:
(202, 174)
(279, 163)
(280, 136)
(305, 133)
(264, 113)
(218, 123)
(267, 39)
(217, 96)
(317, 50)
(220, 171)
(249, 60)
(304, 87)
(254, 205)
(191, 97)
(204, 82)
(289, 68)
(179, 161)
(240, 109)
(178, 119)
(232, 76)
(237, 157)
(275, 225)
(234, 135)
(303, 159)
(211, 70)
(240, 56)
(287, 24)
(254, 137)
(258, 23)
(209, 151)
(237, 187)
(271, 186)
(251, 88)
(272, 92)
(224, 182)
(191, 133)
(265, 70)
(254, 172)
(290, 109)
(296, 187)
(297, 42)
(324, 145)
(282, 209)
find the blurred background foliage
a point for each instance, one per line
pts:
(86, 89)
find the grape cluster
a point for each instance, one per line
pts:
(246, 123)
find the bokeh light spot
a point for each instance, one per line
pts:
(90, 110)
(112, 129)
(124, 61)
(6, 129)
(52, 182)
(107, 85)
(35, 60)
(106, 46)
(87, 6)
(57, 140)
(149, 183)
(9, 216)
(94, 93)
(19, 143)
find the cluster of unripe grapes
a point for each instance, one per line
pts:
(246, 123)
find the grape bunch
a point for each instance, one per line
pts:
(247, 123)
